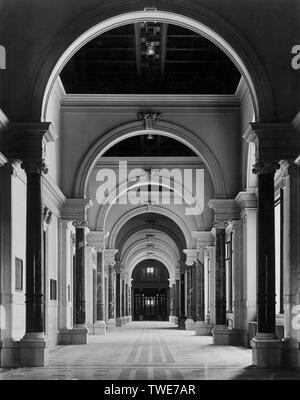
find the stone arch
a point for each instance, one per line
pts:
(158, 210)
(163, 128)
(105, 209)
(183, 13)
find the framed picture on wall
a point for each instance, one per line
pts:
(18, 274)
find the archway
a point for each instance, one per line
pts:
(150, 287)
(208, 25)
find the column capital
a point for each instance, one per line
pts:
(265, 167)
(81, 223)
(34, 166)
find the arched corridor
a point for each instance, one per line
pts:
(149, 205)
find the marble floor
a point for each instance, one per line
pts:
(148, 351)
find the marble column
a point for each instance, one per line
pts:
(266, 347)
(244, 238)
(100, 326)
(129, 302)
(118, 296)
(177, 298)
(212, 286)
(172, 303)
(80, 312)
(201, 328)
(220, 331)
(291, 263)
(123, 302)
(182, 316)
(111, 323)
(33, 344)
(189, 323)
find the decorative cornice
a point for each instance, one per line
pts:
(109, 100)
(203, 239)
(191, 256)
(275, 141)
(26, 140)
(97, 239)
(75, 209)
(246, 200)
(225, 210)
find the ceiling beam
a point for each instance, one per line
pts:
(163, 48)
(137, 36)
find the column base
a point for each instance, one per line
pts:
(129, 318)
(172, 319)
(176, 320)
(201, 329)
(291, 354)
(189, 324)
(266, 351)
(76, 335)
(124, 320)
(118, 322)
(33, 350)
(181, 322)
(222, 336)
(111, 324)
(10, 353)
(99, 328)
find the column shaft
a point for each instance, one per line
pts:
(80, 317)
(100, 287)
(35, 284)
(189, 291)
(220, 277)
(111, 302)
(200, 299)
(265, 254)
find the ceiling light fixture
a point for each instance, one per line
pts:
(150, 51)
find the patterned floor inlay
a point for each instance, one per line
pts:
(148, 351)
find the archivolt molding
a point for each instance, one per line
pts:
(163, 128)
(158, 245)
(112, 198)
(141, 256)
(158, 210)
(87, 27)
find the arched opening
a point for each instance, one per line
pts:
(150, 286)
(236, 49)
